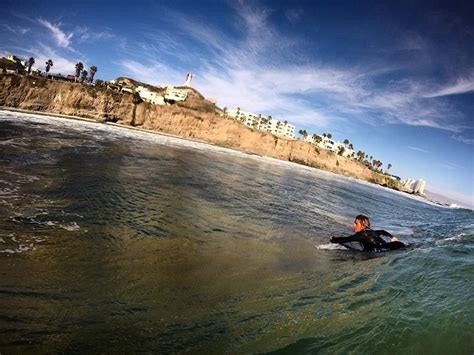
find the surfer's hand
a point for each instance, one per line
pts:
(393, 238)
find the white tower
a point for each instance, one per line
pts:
(189, 77)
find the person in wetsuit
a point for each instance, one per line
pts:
(367, 239)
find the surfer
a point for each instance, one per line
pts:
(367, 239)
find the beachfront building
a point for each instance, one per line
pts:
(328, 144)
(150, 96)
(263, 123)
(172, 94)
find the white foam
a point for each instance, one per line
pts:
(71, 227)
(330, 246)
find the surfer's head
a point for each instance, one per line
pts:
(361, 222)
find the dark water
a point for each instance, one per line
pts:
(117, 241)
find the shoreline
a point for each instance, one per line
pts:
(223, 149)
(132, 128)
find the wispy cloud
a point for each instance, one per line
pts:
(461, 86)
(62, 39)
(265, 71)
(85, 34)
(417, 149)
(16, 29)
(463, 139)
(294, 15)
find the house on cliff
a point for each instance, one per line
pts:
(263, 123)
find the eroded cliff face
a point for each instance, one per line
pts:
(39, 94)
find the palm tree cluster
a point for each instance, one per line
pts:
(360, 156)
(83, 74)
(80, 72)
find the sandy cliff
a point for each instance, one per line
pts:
(195, 118)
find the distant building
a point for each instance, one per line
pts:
(263, 123)
(172, 94)
(150, 96)
(328, 144)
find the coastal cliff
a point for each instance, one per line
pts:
(195, 118)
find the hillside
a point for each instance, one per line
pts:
(195, 118)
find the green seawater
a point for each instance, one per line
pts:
(114, 241)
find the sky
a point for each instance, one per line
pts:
(396, 78)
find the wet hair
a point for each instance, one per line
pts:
(364, 220)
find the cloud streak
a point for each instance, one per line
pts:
(16, 29)
(461, 86)
(61, 38)
(417, 149)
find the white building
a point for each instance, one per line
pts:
(263, 123)
(173, 94)
(150, 96)
(329, 144)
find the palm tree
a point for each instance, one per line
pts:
(93, 70)
(79, 68)
(286, 122)
(351, 147)
(49, 64)
(346, 142)
(269, 118)
(324, 135)
(389, 166)
(329, 135)
(31, 61)
(83, 75)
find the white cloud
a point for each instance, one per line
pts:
(16, 29)
(42, 53)
(417, 149)
(62, 39)
(463, 139)
(85, 34)
(461, 86)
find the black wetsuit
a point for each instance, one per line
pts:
(368, 240)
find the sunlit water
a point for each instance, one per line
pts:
(117, 241)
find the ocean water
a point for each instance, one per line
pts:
(118, 241)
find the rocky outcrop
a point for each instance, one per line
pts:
(195, 118)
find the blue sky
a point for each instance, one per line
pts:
(395, 78)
